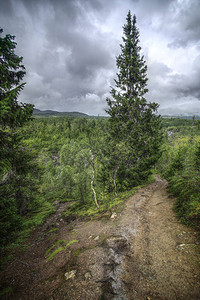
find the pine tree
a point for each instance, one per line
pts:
(135, 129)
(15, 187)
(12, 71)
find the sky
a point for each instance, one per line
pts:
(69, 50)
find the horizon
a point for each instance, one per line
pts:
(175, 115)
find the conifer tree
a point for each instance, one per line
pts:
(12, 71)
(135, 128)
(15, 188)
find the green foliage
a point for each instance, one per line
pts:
(135, 129)
(57, 247)
(16, 186)
(107, 202)
(187, 191)
(197, 157)
(65, 159)
(62, 151)
(63, 154)
(179, 164)
(12, 72)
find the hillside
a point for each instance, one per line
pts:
(64, 241)
(51, 113)
(135, 251)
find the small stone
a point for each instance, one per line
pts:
(88, 276)
(96, 238)
(180, 247)
(113, 216)
(70, 275)
(118, 243)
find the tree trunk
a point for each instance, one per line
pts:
(115, 175)
(92, 181)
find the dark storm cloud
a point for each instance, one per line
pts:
(186, 25)
(6, 7)
(176, 92)
(69, 49)
(70, 53)
(190, 84)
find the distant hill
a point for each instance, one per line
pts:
(190, 117)
(75, 114)
(52, 113)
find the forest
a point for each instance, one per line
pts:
(68, 153)
(94, 164)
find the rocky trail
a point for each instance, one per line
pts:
(139, 251)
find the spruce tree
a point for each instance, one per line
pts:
(15, 162)
(135, 128)
(12, 71)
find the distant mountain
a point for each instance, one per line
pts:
(190, 117)
(75, 114)
(51, 113)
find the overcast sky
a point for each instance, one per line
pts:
(70, 47)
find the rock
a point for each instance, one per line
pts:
(180, 246)
(88, 276)
(70, 275)
(113, 216)
(106, 214)
(118, 243)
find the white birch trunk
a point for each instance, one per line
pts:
(115, 175)
(92, 181)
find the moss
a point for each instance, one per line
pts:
(77, 252)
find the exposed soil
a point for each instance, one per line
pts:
(140, 252)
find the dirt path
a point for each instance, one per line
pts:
(140, 252)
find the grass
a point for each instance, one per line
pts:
(53, 230)
(57, 247)
(34, 220)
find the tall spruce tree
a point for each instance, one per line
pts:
(135, 128)
(15, 161)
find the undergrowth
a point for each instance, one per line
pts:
(107, 202)
(35, 219)
(180, 165)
